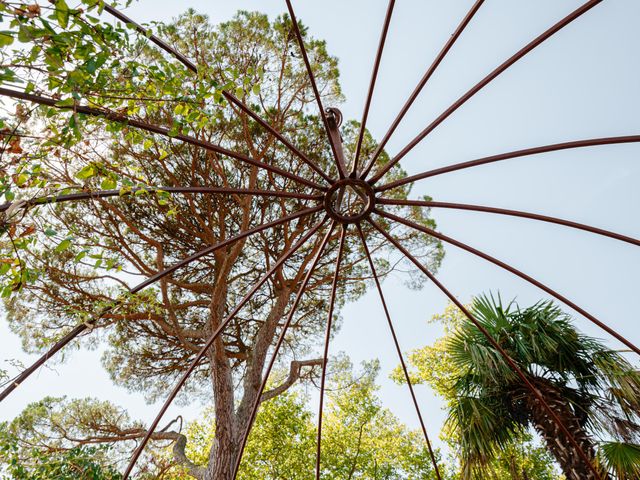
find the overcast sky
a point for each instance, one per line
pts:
(584, 82)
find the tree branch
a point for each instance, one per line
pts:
(294, 376)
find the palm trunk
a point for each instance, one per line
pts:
(571, 463)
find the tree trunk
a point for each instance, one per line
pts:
(571, 463)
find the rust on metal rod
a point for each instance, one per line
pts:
(398, 350)
(70, 197)
(414, 95)
(485, 81)
(229, 96)
(314, 86)
(372, 85)
(285, 256)
(515, 271)
(272, 361)
(158, 130)
(327, 337)
(592, 142)
(512, 364)
(513, 213)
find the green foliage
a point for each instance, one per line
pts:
(485, 416)
(38, 463)
(361, 439)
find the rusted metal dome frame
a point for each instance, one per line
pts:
(320, 194)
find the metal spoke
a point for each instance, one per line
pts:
(325, 354)
(94, 194)
(229, 96)
(515, 271)
(152, 38)
(398, 350)
(272, 361)
(513, 213)
(372, 84)
(285, 256)
(78, 329)
(158, 130)
(512, 364)
(342, 169)
(232, 98)
(425, 78)
(480, 85)
(509, 155)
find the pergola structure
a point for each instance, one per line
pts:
(355, 198)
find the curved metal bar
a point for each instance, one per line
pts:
(334, 148)
(229, 96)
(515, 271)
(513, 213)
(245, 108)
(94, 112)
(78, 329)
(399, 351)
(486, 80)
(512, 364)
(159, 42)
(325, 354)
(272, 361)
(283, 258)
(425, 78)
(372, 84)
(70, 197)
(592, 142)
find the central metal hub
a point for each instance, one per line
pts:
(349, 200)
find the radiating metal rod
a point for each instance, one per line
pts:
(398, 350)
(78, 329)
(327, 338)
(229, 96)
(272, 361)
(334, 148)
(194, 363)
(425, 78)
(372, 84)
(592, 142)
(512, 364)
(513, 213)
(94, 112)
(515, 271)
(245, 108)
(152, 38)
(94, 194)
(485, 81)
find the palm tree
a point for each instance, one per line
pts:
(593, 389)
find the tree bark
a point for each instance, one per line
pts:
(570, 461)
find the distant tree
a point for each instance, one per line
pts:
(592, 388)
(361, 439)
(34, 462)
(64, 263)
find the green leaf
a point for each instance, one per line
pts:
(63, 245)
(50, 232)
(108, 184)
(62, 13)
(239, 92)
(86, 172)
(6, 39)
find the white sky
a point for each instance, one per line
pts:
(584, 82)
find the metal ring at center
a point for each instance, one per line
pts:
(360, 188)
